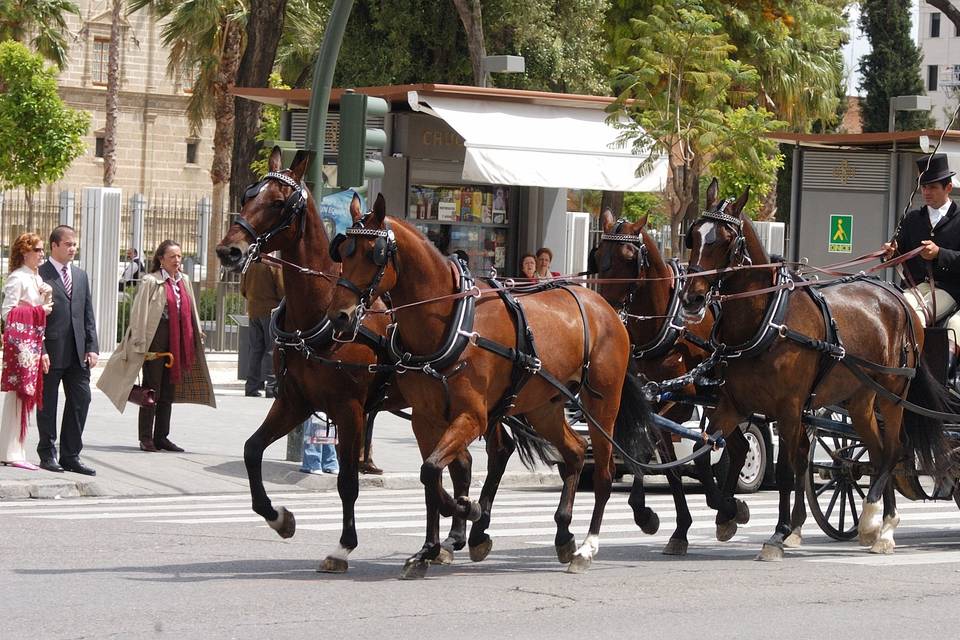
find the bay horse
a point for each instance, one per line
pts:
(469, 358)
(663, 347)
(781, 342)
(314, 372)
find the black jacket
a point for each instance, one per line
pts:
(946, 267)
(70, 326)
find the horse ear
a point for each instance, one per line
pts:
(641, 224)
(301, 162)
(712, 191)
(740, 204)
(607, 221)
(355, 211)
(379, 209)
(275, 163)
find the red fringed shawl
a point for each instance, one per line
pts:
(181, 331)
(22, 350)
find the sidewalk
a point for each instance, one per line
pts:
(213, 462)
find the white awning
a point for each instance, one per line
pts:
(542, 146)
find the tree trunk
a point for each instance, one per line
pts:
(768, 208)
(612, 200)
(264, 27)
(470, 16)
(223, 112)
(28, 197)
(113, 97)
(952, 12)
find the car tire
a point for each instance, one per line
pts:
(755, 466)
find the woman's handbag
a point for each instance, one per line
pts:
(143, 396)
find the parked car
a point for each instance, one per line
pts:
(758, 468)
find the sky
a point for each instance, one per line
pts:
(859, 46)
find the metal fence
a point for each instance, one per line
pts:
(144, 221)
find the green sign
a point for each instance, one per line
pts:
(841, 234)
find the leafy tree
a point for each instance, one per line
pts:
(39, 135)
(206, 39)
(269, 129)
(44, 20)
(892, 68)
(686, 98)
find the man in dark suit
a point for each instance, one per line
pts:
(71, 343)
(936, 227)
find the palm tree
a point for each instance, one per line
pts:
(206, 41)
(113, 97)
(45, 20)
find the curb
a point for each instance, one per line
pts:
(48, 489)
(57, 489)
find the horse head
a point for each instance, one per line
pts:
(273, 213)
(622, 254)
(721, 237)
(367, 253)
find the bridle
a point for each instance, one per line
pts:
(606, 261)
(737, 256)
(293, 206)
(383, 252)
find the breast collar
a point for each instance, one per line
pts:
(770, 329)
(459, 331)
(673, 326)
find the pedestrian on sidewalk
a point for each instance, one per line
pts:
(544, 258)
(27, 300)
(132, 270)
(319, 445)
(262, 286)
(71, 343)
(163, 319)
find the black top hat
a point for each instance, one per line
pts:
(938, 170)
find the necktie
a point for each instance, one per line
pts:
(67, 281)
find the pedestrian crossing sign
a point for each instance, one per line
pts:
(841, 234)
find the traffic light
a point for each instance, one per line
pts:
(353, 167)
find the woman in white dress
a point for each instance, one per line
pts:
(25, 291)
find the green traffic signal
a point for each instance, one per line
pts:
(353, 167)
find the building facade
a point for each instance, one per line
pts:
(939, 42)
(156, 152)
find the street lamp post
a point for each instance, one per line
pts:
(906, 103)
(501, 64)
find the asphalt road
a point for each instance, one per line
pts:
(204, 566)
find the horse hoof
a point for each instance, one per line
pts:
(883, 547)
(770, 553)
(579, 564)
(479, 552)
(414, 569)
(868, 538)
(652, 525)
(726, 530)
(332, 565)
(743, 512)
(676, 547)
(565, 551)
(445, 556)
(285, 525)
(794, 540)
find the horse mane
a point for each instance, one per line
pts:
(754, 247)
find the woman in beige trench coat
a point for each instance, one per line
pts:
(148, 328)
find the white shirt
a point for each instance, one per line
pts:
(59, 268)
(176, 282)
(936, 215)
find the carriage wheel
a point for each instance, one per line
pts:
(835, 488)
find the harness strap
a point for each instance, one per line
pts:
(585, 374)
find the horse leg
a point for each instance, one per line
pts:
(349, 420)
(865, 423)
(280, 421)
(893, 421)
(724, 419)
(460, 470)
(791, 430)
(499, 449)
(678, 543)
(737, 448)
(451, 445)
(645, 517)
(799, 514)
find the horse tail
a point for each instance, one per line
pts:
(530, 447)
(925, 435)
(634, 429)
